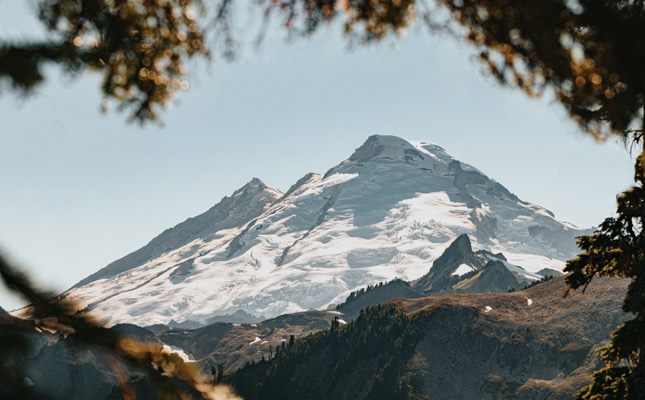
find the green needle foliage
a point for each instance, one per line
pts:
(366, 358)
(617, 248)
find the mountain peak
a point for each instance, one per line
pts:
(253, 192)
(255, 184)
(460, 248)
(385, 147)
(395, 149)
(463, 242)
(459, 252)
(494, 277)
(245, 204)
(388, 140)
(389, 211)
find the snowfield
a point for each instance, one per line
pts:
(386, 212)
(463, 269)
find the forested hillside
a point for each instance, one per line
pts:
(532, 344)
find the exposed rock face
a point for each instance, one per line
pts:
(556, 238)
(368, 151)
(480, 216)
(440, 275)
(494, 277)
(461, 270)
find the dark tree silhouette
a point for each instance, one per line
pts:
(617, 248)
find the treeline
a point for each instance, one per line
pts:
(376, 294)
(369, 288)
(364, 359)
(534, 283)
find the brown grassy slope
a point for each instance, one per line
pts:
(235, 344)
(515, 350)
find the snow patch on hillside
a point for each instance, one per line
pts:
(463, 269)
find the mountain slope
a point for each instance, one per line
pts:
(533, 344)
(374, 295)
(237, 344)
(523, 345)
(494, 277)
(386, 212)
(245, 204)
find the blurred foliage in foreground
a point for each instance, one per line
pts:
(168, 375)
(589, 52)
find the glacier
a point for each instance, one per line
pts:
(386, 212)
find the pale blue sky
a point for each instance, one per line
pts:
(79, 189)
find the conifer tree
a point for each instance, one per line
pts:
(220, 370)
(334, 324)
(617, 248)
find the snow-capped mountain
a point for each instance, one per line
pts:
(386, 212)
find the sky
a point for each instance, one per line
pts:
(79, 189)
